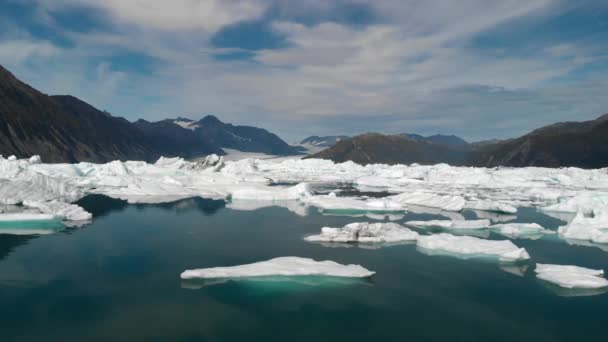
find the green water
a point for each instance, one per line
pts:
(118, 280)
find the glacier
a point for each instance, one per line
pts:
(282, 266)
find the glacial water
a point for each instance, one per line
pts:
(117, 279)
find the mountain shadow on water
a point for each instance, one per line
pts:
(101, 205)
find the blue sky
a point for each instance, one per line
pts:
(476, 68)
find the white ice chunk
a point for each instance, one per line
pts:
(283, 266)
(450, 224)
(67, 211)
(365, 232)
(17, 217)
(333, 202)
(571, 276)
(431, 200)
(515, 230)
(272, 193)
(583, 202)
(486, 205)
(594, 229)
(469, 246)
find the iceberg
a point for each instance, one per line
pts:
(594, 229)
(17, 217)
(571, 277)
(365, 233)
(494, 206)
(450, 224)
(334, 203)
(468, 246)
(67, 211)
(518, 230)
(431, 200)
(274, 193)
(283, 266)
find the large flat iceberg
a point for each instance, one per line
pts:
(283, 266)
(366, 233)
(468, 246)
(571, 277)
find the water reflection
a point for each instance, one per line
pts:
(278, 283)
(101, 205)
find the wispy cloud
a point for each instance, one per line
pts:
(341, 66)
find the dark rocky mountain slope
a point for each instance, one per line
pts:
(63, 128)
(580, 144)
(372, 148)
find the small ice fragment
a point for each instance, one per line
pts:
(283, 266)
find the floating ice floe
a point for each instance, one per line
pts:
(571, 277)
(283, 266)
(334, 203)
(519, 230)
(468, 246)
(594, 229)
(70, 212)
(581, 202)
(275, 193)
(450, 224)
(494, 206)
(431, 200)
(365, 233)
(25, 216)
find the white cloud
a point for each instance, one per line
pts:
(18, 51)
(173, 15)
(414, 69)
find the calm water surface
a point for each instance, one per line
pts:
(118, 279)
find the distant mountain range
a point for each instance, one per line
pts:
(446, 140)
(66, 129)
(578, 144)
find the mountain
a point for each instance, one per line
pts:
(326, 141)
(66, 129)
(450, 141)
(242, 138)
(372, 148)
(580, 144)
(63, 128)
(171, 139)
